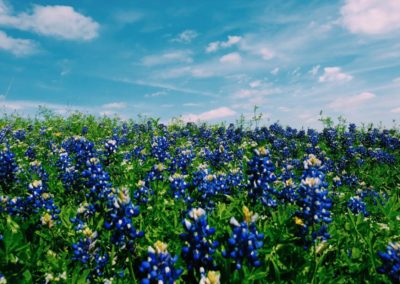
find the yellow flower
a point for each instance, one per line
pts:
(262, 151)
(289, 182)
(209, 177)
(298, 221)
(35, 163)
(213, 277)
(160, 247)
(57, 134)
(47, 220)
(249, 216)
(87, 232)
(37, 183)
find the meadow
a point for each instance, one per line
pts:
(102, 200)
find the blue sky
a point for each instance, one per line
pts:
(203, 60)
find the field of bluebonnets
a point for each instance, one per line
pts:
(101, 200)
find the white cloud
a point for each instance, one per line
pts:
(255, 84)
(17, 46)
(255, 46)
(233, 57)
(186, 36)
(251, 93)
(191, 104)
(334, 74)
(351, 101)
(214, 46)
(115, 105)
(182, 56)
(371, 16)
(396, 80)
(155, 94)
(57, 21)
(232, 40)
(266, 53)
(213, 114)
(127, 17)
(196, 72)
(395, 110)
(275, 71)
(27, 106)
(314, 70)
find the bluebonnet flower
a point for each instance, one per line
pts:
(68, 173)
(244, 241)
(20, 134)
(119, 219)
(39, 199)
(37, 171)
(111, 147)
(159, 266)
(80, 149)
(3, 133)
(235, 178)
(391, 262)
(30, 153)
(357, 205)
(179, 187)
(143, 192)
(156, 173)
(8, 168)
(288, 193)
(198, 248)
(313, 201)
(209, 186)
(181, 161)
(97, 180)
(260, 170)
(84, 130)
(159, 148)
(88, 253)
(13, 206)
(219, 157)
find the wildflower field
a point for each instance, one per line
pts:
(101, 200)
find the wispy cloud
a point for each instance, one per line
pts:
(176, 56)
(127, 17)
(351, 101)
(185, 37)
(216, 45)
(334, 74)
(56, 21)
(395, 110)
(17, 46)
(214, 114)
(115, 105)
(155, 94)
(233, 57)
(314, 70)
(371, 17)
(165, 86)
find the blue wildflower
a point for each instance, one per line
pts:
(159, 266)
(313, 201)
(391, 262)
(357, 205)
(199, 248)
(8, 168)
(260, 171)
(245, 241)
